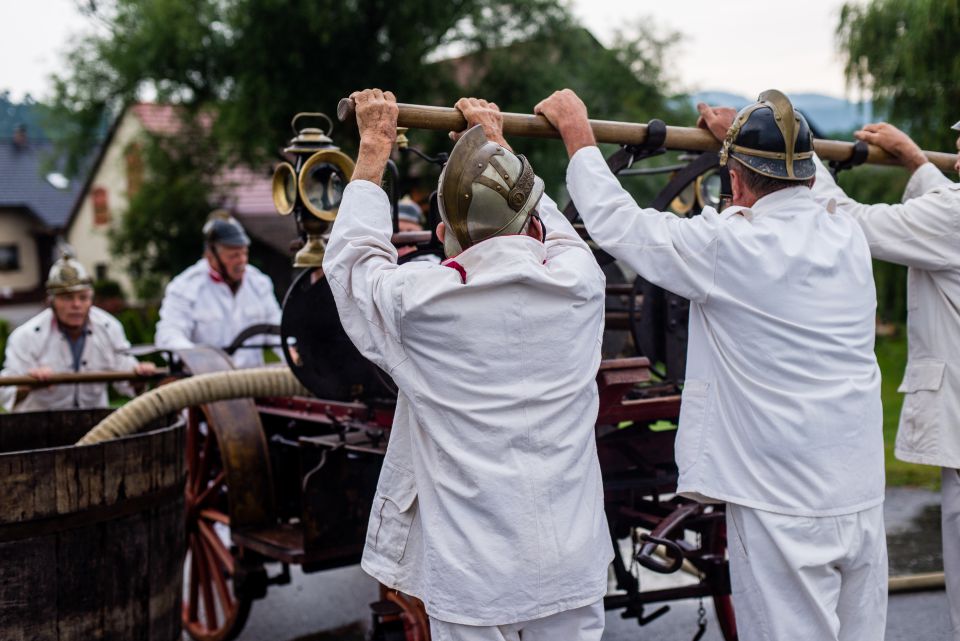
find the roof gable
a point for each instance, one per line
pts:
(24, 183)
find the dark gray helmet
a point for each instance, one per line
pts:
(772, 139)
(223, 229)
(485, 190)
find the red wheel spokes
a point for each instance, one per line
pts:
(206, 588)
(214, 485)
(210, 609)
(216, 547)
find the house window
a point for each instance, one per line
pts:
(134, 160)
(101, 207)
(100, 269)
(9, 257)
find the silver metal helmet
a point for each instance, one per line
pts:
(956, 126)
(484, 191)
(68, 275)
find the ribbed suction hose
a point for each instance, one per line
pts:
(196, 390)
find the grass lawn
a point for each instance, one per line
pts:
(892, 356)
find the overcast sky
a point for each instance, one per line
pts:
(743, 46)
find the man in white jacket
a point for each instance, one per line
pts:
(489, 506)
(781, 415)
(219, 296)
(69, 336)
(923, 233)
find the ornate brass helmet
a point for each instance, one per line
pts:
(68, 275)
(772, 139)
(484, 191)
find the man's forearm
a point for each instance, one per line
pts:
(577, 136)
(372, 160)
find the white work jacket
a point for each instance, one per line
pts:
(489, 506)
(39, 342)
(923, 233)
(199, 309)
(781, 404)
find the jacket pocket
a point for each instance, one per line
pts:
(693, 408)
(920, 417)
(393, 511)
(925, 375)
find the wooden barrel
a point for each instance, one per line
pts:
(91, 538)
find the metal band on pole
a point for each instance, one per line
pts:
(624, 133)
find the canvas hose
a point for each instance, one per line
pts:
(196, 390)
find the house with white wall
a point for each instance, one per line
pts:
(117, 174)
(35, 204)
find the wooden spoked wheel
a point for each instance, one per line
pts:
(211, 609)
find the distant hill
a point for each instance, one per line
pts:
(829, 116)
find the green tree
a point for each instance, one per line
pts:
(253, 64)
(257, 62)
(902, 52)
(625, 82)
(899, 51)
(160, 234)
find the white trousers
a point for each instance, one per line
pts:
(579, 624)
(803, 578)
(950, 510)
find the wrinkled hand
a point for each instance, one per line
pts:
(377, 121)
(894, 142)
(567, 113)
(145, 368)
(486, 114)
(716, 120)
(376, 116)
(42, 373)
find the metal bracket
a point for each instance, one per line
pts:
(652, 146)
(858, 156)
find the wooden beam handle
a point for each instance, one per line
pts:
(62, 378)
(623, 133)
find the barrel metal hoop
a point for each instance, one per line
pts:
(91, 516)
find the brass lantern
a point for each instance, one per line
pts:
(312, 187)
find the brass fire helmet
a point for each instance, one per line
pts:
(772, 139)
(484, 191)
(68, 275)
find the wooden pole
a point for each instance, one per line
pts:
(624, 133)
(63, 378)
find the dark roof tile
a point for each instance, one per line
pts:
(23, 182)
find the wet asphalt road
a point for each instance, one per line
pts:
(332, 605)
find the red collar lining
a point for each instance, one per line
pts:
(452, 264)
